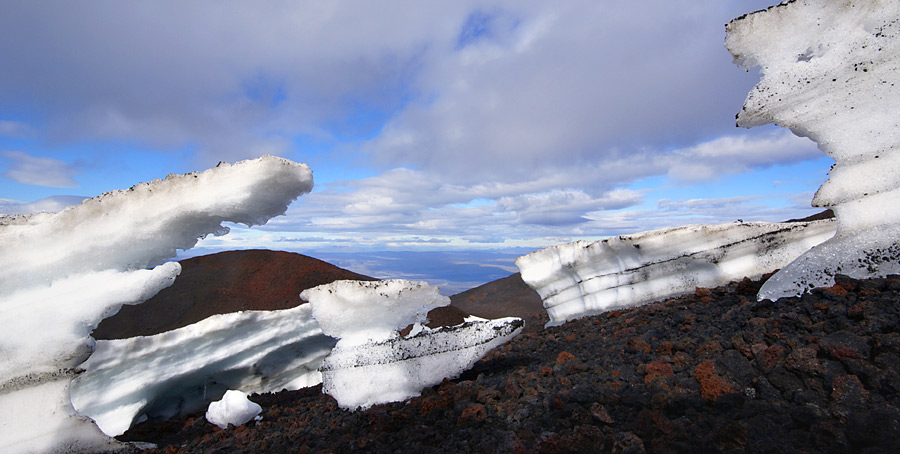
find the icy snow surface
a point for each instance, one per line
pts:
(234, 408)
(831, 72)
(69, 270)
(581, 278)
(371, 363)
(250, 351)
(361, 311)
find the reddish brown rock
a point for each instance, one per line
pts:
(564, 357)
(836, 290)
(657, 372)
(639, 345)
(472, 413)
(803, 359)
(712, 385)
(771, 356)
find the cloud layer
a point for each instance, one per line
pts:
(463, 123)
(38, 171)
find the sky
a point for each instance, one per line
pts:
(434, 129)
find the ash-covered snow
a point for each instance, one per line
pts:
(581, 278)
(68, 270)
(250, 351)
(831, 72)
(234, 408)
(372, 363)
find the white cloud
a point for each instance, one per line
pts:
(668, 204)
(49, 204)
(488, 121)
(736, 154)
(593, 82)
(529, 83)
(39, 171)
(565, 207)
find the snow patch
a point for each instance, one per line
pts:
(235, 408)
(73, 268)
(392, 370)
(581, 278)
(831, 72)
(371, 363)
(363, 311)
(250, 351)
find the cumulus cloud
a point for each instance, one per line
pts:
(39, 171)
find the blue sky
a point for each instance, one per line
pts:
(437, 127)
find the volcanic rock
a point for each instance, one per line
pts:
(792, 375)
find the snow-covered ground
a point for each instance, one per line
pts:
(831, 72)
(580, 279)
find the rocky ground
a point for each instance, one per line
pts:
(715, 371)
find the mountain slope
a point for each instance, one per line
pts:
(221, 283)
(506, 297)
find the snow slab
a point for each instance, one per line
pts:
(75, 267)
(250, 351)
(586, 278)
(396, 369)
(234, 408)
(363, 311)
(371, 363)
(831, 72)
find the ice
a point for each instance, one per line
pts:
(234, 408)
(831, 72)
(142, 226)
(250, 351)
(361, 311)
(581, 278)
(397, 369)
(372, 363)
(66, 271)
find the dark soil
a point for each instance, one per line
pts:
(715, 371)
